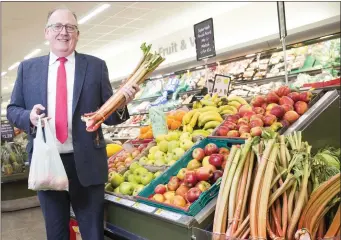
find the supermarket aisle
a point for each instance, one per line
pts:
(23, 225)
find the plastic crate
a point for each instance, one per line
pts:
(205, 197)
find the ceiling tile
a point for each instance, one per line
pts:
(85, 27)
(117, 21)
(113, 10)
(139, 23)
(99, 43)
(102, 29)
(111, 37)
(82, 42)
(89, 36)
(133, 13)
(97, 19)
(149, 5)
(125, 30)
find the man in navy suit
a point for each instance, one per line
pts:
(63, 86)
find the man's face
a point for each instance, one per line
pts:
(62, 40)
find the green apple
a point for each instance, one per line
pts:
(137, 189)
(158, 173)
(126, 188)
(171, 163)
(150, 162)
(163, 146)
(185, 135)
(139, 172)
(170, 157)
(153, 150)
(160, 162)
(108, 187)
(172, 136)
(117, 190)
(159, 155)
(116, 180)
(160, 138)
(172, 145)
(178, 153)
(146, 178)
(186, 144)
(134, 166)
(151, 156)
(143, 160)
(131, 178)
(135, 184)
(126, 174)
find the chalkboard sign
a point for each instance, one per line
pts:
(204, 39)
(7, 132)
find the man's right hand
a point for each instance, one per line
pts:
(36, 113)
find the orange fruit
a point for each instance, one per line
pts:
(175, 125)
(179, 115)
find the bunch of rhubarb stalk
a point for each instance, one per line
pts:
(147, 65)
(271, 189)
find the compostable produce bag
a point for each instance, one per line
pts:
(47, 171)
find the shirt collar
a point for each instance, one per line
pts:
(53, 58)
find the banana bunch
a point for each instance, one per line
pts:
(197, 105)
(234, 102)
(214, 101)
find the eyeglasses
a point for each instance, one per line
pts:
(59, 27)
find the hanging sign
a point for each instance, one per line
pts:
(158, 121)
(281, 20)
(221, 85)
(204, 39)
(7, 132)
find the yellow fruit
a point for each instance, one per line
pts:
(228, 107)
(207, 102)
(237, 99)
(189, 128)
(235, 104)
(188, 116)
(211, 124)
(200, 133)
(194, 119)
(209, 118)
(208, 108)
(210, 113)
(112, 149)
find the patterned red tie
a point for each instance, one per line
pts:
(61, 102)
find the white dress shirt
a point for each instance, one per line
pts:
(67, 147)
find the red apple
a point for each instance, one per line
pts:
(230, 125)
(272, 97)
(160, 189)
(216, 175)
(203, 186)
(244, 129)
(182, 190)
(295, 96)
(301, 107)
(248, 115)
(173, 185)
(216, 159)
(260, 116)
(256, 123)
(222, 131)
(211, 167)
(287, 107)
(259, 110)
(278, 111)
(242, 121)
(193, 194)
(190, 179)
(224, 163)
(256, 131)
(179, 201)
(210, 149)
(283, 91)
(291, 116)
(305, 96)
(233, 118)
(233, 133)
(198, 154)
(159, 198)
(244, 109)
(245, 135)
(257, 101)
(270, 106)
(285, 123)
(203, 173)
(264, 106)
(224, 150)
(269, 119)
(286, 100)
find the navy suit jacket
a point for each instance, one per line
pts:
(91, 90)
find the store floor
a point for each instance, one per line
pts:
(26, 224)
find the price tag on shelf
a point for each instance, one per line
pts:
(125, 202)
(168, 214)
(144, 207)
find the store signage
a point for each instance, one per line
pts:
(204, 39)
(7, 132)
(177, 46)
(158, 121)
(281, 20)
(221, 85)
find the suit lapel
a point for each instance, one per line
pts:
(42, 80)
(80, 70)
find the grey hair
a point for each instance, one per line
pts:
(61, 8)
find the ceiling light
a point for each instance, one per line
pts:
(250, 55)
(14, 66)
(326, 37)
(94, 13)
(47, 43)
(35, 52)
(3, 74)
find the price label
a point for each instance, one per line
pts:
(168, 214)
(144, 207)
(125, 202)
(110, 198)
(7, 132)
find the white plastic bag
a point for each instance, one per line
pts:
(47, 171)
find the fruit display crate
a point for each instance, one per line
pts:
(205, 197)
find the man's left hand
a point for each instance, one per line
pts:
(129, 92)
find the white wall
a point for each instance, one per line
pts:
(234, 24)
